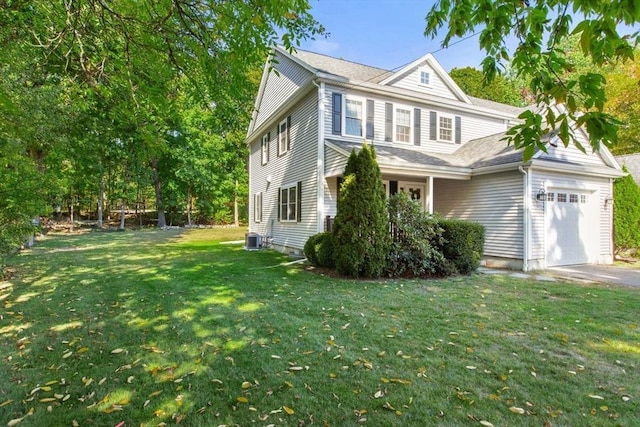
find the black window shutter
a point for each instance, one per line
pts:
(433, 125)
(278, 140)
(279, 189)
(370, 107)
(416, 126)
(268, 145)
(458, 130)
(288, 133)
(393, 187)
(299, 201)
(337, 114)
(388, 121)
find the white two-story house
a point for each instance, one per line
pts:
(433, 141)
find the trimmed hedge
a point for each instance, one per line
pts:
(626, 213)
(319, 250)
(463, 244)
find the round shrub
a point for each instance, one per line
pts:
(319, 250)
(463, 244)
(310, 249)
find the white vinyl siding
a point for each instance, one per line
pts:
(473, 125)
(412, 81)
(300, 164)
(572, 154)
(278, 88)
(494, 201)
(334, 162)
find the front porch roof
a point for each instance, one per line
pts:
(405, 160)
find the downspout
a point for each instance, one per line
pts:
(320, 160)
(526, 191)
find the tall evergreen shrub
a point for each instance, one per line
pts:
(626, 213)
(361, 228)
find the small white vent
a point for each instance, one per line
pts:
(253, 241)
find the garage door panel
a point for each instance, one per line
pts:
(570, 227)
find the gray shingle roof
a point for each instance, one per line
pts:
(395, 156)
(491, 150)
(632, 161)
(341, 67)
(505, 108)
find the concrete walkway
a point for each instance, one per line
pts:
(579, 273)
(599, 273)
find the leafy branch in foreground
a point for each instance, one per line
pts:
(539, 27)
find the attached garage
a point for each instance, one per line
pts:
(572, 226)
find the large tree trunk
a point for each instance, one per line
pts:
(71, 218)
(100, 202)
(122, 216)
(162, 222)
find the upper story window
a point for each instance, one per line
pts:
(265, 148)
(425, 78)
(403, 125)
(445, 128)
(284, 138)
(353, 117)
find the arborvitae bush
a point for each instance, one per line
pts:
(310, 249)
(463, 244)
(361, 228)
(626, 213)
(416, 238)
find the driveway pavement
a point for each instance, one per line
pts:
(598, 273)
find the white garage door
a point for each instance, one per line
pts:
(572, 233)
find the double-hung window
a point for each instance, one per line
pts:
(289, 203)
(445, 128)
(353, 117)
(283, 136)
(403, 125)
(265, 149)
(257, 207)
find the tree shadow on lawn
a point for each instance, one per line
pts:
(135, 327)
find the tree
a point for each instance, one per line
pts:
(361, 228)
(473, 83)
(623, 93)
(539, 26)
(626, 218)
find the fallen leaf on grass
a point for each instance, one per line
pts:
(117, 351)
(14, 422)
(486, 423)
(246, 384)
(516, 410)
(595, 396)
(288, 410)
(242, 399)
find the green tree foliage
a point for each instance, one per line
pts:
(623, 93)
(626, 218)
(361, 229)
(94, 94)
(473, 83)
(539, 26)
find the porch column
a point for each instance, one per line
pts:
(429, 200)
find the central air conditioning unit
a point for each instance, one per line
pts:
(253, 241)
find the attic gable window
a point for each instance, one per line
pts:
(403, 125)
(353, 117)
(425, 78)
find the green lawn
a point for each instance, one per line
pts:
(171, 327)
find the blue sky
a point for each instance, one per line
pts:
(385, 34)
